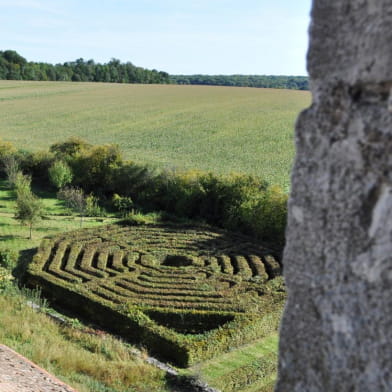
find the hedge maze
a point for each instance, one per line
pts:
(187, 293)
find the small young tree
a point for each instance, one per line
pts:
(92, 206)
(60, 174)
(75, 199)
(22, 184)
(29, 209)
(11, 169)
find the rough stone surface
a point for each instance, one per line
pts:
(18, 374)
(336, 332)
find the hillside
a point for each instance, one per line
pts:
(220, 129)
(15, 67)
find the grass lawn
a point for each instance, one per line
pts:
(262, 353)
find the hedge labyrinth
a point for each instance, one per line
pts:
(207, 277)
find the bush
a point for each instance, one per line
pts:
(11, 169)
(123, 204)
(240, 202)
(94, 168)
(60, 174)
(92, 206)
(8, 258)
(36, 164)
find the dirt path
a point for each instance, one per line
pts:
(18, 374)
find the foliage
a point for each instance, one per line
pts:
(174, 310)
(123, 204)
(6, 148)
(207, 128)
(75, 200)
(29, 208)
(266, 81)
(22, 184)
(92, 206)
(69, 148)
(60, 174)
(35, 164)
(93, 168)
(237, 201)
(15, 67)
(8, 258)
(11, 169)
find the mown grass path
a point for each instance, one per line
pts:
(217, 370)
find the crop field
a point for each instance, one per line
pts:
(219, 129)
(187, 293)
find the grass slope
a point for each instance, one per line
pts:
(221, 129)
(88, 362)
(15, 236)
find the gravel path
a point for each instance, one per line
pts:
(18, 374)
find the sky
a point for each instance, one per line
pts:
(264, 37)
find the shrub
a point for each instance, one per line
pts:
(94, 168)
(36, 164)
(92, 206)
(8, 258)
(75, 200)
(165, 286)
(11, 169)
(123, 204)
(68, 149)
(6, 149)
(60, 174)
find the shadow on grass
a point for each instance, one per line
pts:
(25, 257)
(9, 237)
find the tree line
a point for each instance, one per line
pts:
(265, 81)
(15, 67)
(95, 178)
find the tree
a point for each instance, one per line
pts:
(75, 200)
(11, 169)
(69, 148)
(94, 168)
(29, 209)
(60, 174)
(22, 184)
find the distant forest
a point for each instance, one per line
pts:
(268, 81)
(15, 67)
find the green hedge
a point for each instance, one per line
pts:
(237, 201)
(184, 314)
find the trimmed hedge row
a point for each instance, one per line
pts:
(184, 314)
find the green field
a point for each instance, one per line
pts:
(219, 129)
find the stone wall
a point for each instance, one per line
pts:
(336, 333)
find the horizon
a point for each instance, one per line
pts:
(202, 38)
